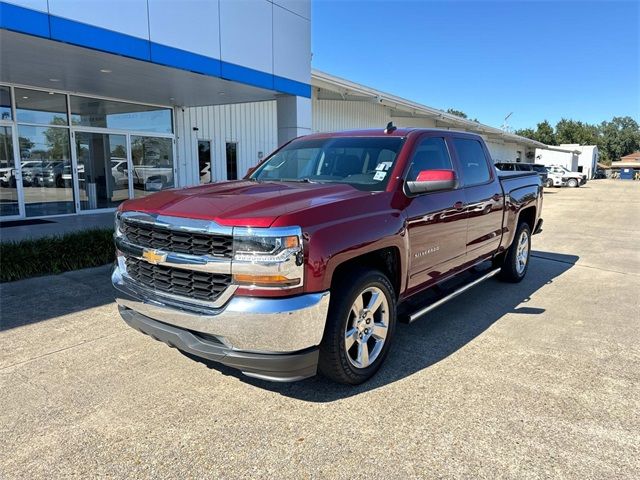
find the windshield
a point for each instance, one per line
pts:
(363, 162)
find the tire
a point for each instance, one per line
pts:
(549, 183)
(349, 365)
(573, 183)
(516, 261)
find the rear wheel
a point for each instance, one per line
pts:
(549, 183)
(516, 261)
(573, 183)
(360, 327)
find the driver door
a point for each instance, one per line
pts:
(436, 221)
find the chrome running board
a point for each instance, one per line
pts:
(414, 316)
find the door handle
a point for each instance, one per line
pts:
(458, 206)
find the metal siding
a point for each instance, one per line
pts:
(253, 126)
(333, 115)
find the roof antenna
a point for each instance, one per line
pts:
(390, 128)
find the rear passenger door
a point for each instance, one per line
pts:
(483, 198)
(436, 221)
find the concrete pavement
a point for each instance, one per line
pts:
(537, 380)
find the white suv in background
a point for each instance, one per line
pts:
(559, 176)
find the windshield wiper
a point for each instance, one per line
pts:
(297, 180)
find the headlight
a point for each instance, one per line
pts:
(117, 224)
(268, 257)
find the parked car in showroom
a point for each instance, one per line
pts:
(307, 264)
(524, 167)
(52, 174)
(568, 178)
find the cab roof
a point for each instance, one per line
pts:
(380, 132)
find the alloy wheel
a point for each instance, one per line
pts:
(367, 327)
(522, 253)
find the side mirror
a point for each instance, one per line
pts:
(433, 181)
(250, 170)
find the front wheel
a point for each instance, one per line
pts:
(516, 261)
(360, 327)
(549, 183)
(573, 183)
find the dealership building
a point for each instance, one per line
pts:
(98, 105)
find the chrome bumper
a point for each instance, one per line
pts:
(267, 325)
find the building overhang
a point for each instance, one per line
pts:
(38, 62)
(563, 150)
(331, 87)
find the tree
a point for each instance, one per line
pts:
(526, 132)
(457, 113)
(58, 140)
(119, 151)
(461, 114)
(619, 137)
(545, 133)
(571, 131)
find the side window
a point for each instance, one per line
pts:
(430, 154)
(472, 161)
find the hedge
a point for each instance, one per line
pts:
(56, 254)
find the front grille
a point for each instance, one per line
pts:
(185, 283)
(162, 238)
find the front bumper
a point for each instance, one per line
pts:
(275, 367)
(264, 333)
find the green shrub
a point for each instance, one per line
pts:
(50, 255)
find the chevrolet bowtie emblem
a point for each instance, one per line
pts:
(154, 256)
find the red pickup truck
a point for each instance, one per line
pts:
(309, 262)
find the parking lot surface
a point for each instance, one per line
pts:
(535, 380)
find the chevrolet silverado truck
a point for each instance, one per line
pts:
(308, 263)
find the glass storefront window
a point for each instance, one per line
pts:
(8, 187)
(5, 103)
(93, 112)
(46, 108)
(204, 161)
(46, 170)
(103, 174)
(152, 164)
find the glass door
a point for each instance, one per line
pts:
(9, 184)
(102, 169)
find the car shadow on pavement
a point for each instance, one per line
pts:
(436, 336)
(38, 299)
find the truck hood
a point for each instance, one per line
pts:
(242, 203)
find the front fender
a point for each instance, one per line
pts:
(332, 244)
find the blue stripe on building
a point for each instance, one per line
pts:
(40, 24)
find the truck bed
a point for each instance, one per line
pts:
(505, 175)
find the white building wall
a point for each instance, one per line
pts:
(334, 115)
(568, 160)
(253, 126)
(588, 158)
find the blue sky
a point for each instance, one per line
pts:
(540, 60)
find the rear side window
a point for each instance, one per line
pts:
(430, 154)
(504, 166)
(472, 161)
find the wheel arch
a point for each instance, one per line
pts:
(528, 215)
(387, 260)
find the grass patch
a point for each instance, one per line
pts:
(51, 255)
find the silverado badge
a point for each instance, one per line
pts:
(154, 256)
